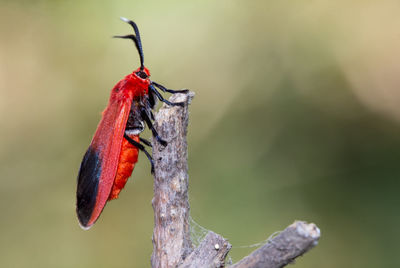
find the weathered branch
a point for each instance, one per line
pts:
(281, 250)
(172, 246)
(211, 252)
(171, 234)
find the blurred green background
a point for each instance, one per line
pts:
(296, 116)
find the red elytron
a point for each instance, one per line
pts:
(113, 152)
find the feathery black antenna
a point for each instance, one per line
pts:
(135, 38)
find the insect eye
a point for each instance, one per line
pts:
(141, 74)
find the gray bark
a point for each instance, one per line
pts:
(171, 234)
(281, 250)
(172, 246)
(211, 252)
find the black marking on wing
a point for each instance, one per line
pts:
(88, 181)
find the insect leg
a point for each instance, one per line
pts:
(143, 140)
(141, 148)
(170, 90)
(161, 98)
(146, 118)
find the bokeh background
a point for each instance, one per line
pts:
(296, 116)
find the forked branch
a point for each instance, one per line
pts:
(172, 246)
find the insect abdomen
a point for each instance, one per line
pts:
(127, 159)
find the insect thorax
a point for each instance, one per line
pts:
(135, 124)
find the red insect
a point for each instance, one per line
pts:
(113, 152)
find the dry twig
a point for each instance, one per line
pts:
(172, 246)
(171, 234)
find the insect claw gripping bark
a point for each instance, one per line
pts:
(113, 152)
(161, 98)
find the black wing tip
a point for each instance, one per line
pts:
(83, 224)
(83, 215)
(88, 181)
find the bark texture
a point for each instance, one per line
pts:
(171, 234)
(172, 246)
(281, 250)
(211, 252)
